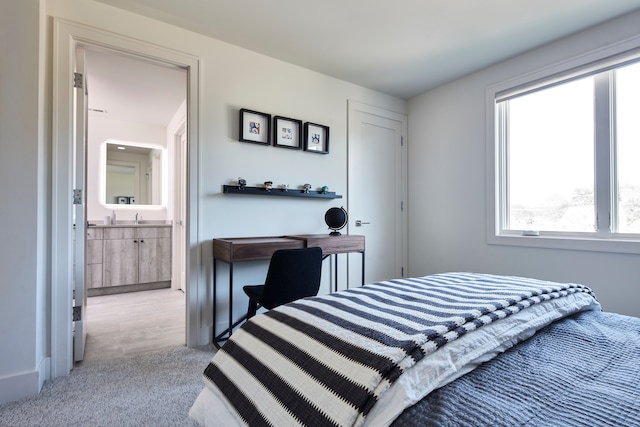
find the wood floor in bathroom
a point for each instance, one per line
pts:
(135, 322)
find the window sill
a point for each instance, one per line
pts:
(587, 243)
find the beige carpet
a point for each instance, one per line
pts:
(156, 388)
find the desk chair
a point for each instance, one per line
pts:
(292, 274)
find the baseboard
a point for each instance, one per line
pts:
(44, 372)
(110, 290)
(20, 386)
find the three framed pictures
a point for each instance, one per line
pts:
(255, 127)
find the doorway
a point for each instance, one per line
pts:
(136, 115)
(67, 36)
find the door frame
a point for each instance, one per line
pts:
(352, 108)
(66, 36)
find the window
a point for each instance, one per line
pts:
(566, 153)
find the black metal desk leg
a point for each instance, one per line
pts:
(230, 298)
(213, 307)
(336, 273)
(362, 268)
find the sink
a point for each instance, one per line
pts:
(154, 222)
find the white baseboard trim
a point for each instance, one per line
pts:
(44, 372)
(19, 386)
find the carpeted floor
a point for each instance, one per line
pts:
(151, 389)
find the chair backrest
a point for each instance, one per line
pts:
(292, 274)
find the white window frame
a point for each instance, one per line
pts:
(593, 62)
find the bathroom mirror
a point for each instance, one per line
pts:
(133, 174)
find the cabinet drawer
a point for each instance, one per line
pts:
(111, 233)
(94, 233)
(153, 232)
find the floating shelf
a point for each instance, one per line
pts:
(259, 191)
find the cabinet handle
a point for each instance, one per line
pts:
(141, 241)
(135, 241)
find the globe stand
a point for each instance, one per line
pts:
(336, 219)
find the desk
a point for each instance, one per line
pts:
(233, 250)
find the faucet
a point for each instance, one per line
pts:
(137, 214)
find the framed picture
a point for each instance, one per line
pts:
(287, 132)
(254, 127)
(123, 200)
(316, 138)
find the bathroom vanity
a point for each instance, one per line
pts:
(128, 257)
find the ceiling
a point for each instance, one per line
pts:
(124, 87)
(400, 47)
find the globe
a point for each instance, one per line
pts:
(336, 219)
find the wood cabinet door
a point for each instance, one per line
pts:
(120, 262)
(93, 270)
(154, 257)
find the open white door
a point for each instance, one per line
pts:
(79, 204)
(179, 277)
(377, 191)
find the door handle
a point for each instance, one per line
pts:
(359, 223)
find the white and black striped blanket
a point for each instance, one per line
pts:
(327, 360)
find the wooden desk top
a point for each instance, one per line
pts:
(345, 243)
(261, 248)
(251, 248)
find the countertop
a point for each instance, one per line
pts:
(131, 223)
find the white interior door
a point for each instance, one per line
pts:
(79, 205)
(180, 210)
(377, 191)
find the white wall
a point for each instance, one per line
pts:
(447, 176)
(23, 172)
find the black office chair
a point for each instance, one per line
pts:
(292, 274)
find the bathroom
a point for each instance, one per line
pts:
(135, 177)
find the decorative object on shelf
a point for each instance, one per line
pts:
(306, 188)
(284, 187)
(287, 133)
(336, 219)
(123, 200)
(132, 200)
(254, 127)
(259, 191)
(324, 189)
(316, 138)
(242, 183)
(268, 185)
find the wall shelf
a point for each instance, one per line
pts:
(259, 191)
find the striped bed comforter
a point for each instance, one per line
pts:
(329, 360)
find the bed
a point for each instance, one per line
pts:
(446, 349)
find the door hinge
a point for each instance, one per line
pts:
(402, 206)
(402, 272)
(77, 313)
(402, 141)
(77, 80)
(77, 196)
